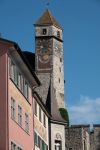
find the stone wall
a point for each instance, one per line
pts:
(97, 137)
(77, 137)
(73, 138)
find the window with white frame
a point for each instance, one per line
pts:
(19, 115)
(44, 119)
(40, 114)
(40, 142)
(18, 79)
(26, 123)
(25, 89)
(15, 146)
(36, 138)
(13, 109)
(35, 108)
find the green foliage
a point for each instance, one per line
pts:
(64, 114)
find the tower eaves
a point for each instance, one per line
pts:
(47, 19)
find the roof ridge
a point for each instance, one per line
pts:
(50, 15)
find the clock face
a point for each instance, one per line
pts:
(43, 46)
(44, 50)
(44, 58)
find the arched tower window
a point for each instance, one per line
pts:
(44, 31)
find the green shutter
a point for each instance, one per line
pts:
(36, 139)
(43, 145)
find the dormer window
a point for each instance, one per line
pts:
(58, 34)
(44, 31)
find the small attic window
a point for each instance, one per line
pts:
(44, 31)
(58, 34)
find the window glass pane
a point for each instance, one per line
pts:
(35, 108)
(18, 79)
(39, 140)
(26, 123)
(36, 138)
(13, 109)
(44, 120)
(19, 115)
(43, 145)
(40, 118)
(58, 34)
(44, 31)
(25, 89)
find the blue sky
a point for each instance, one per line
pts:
(81, 23)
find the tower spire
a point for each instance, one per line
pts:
(47, 19)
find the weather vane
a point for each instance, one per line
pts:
(47, 4)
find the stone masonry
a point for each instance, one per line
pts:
(77, 137)
(81, 137)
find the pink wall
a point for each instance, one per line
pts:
(9, 129)
(3, 98)
(17, 134)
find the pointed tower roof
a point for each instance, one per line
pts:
(47, 19)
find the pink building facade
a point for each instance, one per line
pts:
(16, 101)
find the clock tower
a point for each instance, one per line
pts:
(49, 53)
(49, 69)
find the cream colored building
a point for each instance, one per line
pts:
(41, 124)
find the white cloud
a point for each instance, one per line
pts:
(87, 111)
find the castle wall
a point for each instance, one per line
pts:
(77, 137)
(97, 137)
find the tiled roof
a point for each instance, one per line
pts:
(47, 19)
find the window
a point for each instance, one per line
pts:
(58, 145)
(26, 123)
(19, 115)
(15, 147)
(60, 69)
(25, 89)
(36, 138)
(43, 145)
(40, 116)
(70, 148)
(39, 142)
(44, 120)
(44, 31)
(60, 59)
(13, 109)
(35, 108)
(58, 34)
(18, 79)
(59, 80)
(22, 84)
(18, 148)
